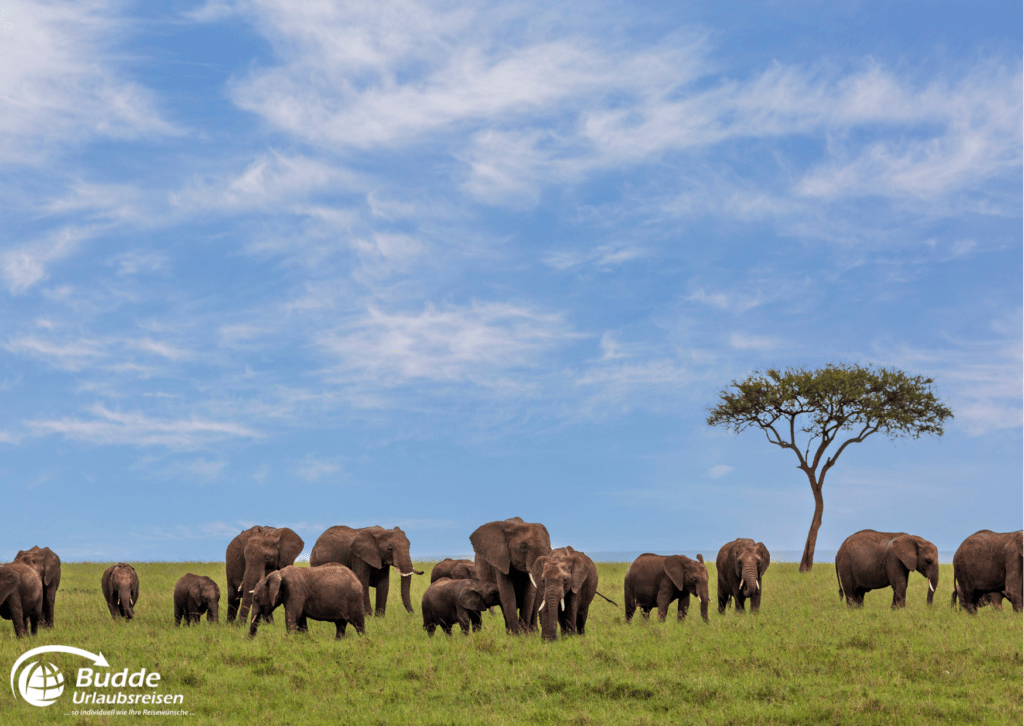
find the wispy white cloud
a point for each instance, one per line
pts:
(314, 469)
(717, 472)
(24, 267)
(69, 355)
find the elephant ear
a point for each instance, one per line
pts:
(537, 571)
(9, 580)
(580, 571)
(490, 541)
(195, 591)
(365, 548)
(1014, 549)
(675, 568)
(471, 599)
(905, 549)
(51, 566)
(766, 558)
(274, 583)
(289, 547)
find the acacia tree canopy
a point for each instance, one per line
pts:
(821, 406)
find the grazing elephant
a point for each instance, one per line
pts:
(740, 565)
(447, 602)
(329, 592)
(988, 565)
(370, 553)
(250, 556)
(567, 582)
(21, 597)
(656, 580)
(120, 586)
(869, 560)
(453, 570)
(193, 596)
(47, 564)
(505, 553)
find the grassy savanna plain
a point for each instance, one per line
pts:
(804, 659)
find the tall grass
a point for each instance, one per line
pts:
(804, 659)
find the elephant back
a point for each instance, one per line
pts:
(334, 545)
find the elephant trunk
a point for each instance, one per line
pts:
(933, 582)
(702, 593)
(403, 563)
(253, 573)
(124, 596)
(749, 585)
(211, 610)
(552, 602)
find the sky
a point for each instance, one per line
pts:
(430, 265)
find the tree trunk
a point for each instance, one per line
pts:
(807, 561)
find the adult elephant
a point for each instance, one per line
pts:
(370, 553)
(870, 560)
(453, 569)
(21, 597)
(250, 556)
(45, 562)
(567, 582)
(505, 553)
(988, 565)
(656, 580)
(329, 593)
(740, 565)
(120, 585)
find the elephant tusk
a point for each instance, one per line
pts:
(741, 585)
(406, 574)
(542, 604)
(532, 580)
(756, 582)
(239, 588)
(931, 586)
(561, 605)
(698, 599)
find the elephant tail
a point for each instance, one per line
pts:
(952, 601)
(611, 601)
(840, 581)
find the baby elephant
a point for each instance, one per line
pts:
(740, 565)
(121, 590)
(656, 580)
(21, 597)
(454, 570)
(566, 582)
(448, 601)
(193, 596)
(329, 592)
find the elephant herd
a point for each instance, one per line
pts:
(515, 568)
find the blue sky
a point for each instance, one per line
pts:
(431, 265)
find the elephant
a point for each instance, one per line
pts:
(329, 592)
(193, 596)
(453, 569)
(740, 565)
(21, 597)
(250, 556)
(869, 560)
(988, 565)
(656, 580)
(447, 602)
(995, 599)
(370, 553)
(120, 586)
(505, 553)
(567, 582)
(46, 562)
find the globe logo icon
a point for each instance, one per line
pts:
(41, 683)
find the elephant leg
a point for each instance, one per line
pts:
(475, 620)
(529, 606)
(507, 593)
(664, 600)
(367, 607)
(446, 628)
(339, 629)
(755, 602)
(34, 620)
(741, 602)
(581, 619)
(115, 610)
(233, 601)
(630, 606)
(430, 628)
(723, 597)
(49, 600)
(572, 611)
(383, 585)
(684, 606)
(177, 616)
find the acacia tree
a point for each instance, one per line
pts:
(822, 405)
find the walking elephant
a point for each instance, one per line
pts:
(656, 580)
(870, 560)
(193, 596)
(45, 562)
(328, 592)
(120, 585)
(447, 602)
(567, 582)
(740, 565)
(988, 565)
(21, 597)
(505, 553)
(250, 556)
(453, 569)
(370, 553)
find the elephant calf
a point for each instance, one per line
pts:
(447, 602)
(989, 566)
(193, 596)
(330, 592)
(120, 586)
(740, 565)
(21, 597)
(655, 581)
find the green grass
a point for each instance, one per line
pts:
(805, 659)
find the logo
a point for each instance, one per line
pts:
(41, 683)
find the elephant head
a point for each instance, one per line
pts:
(204, 591)
(42, 560)
(256, 552)
(917, 553)
(124, 585)
(266, 596)
(478, 596)
(511, 544)
(690, 577)
(379, 547)
(750, 563)
(562, 572)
